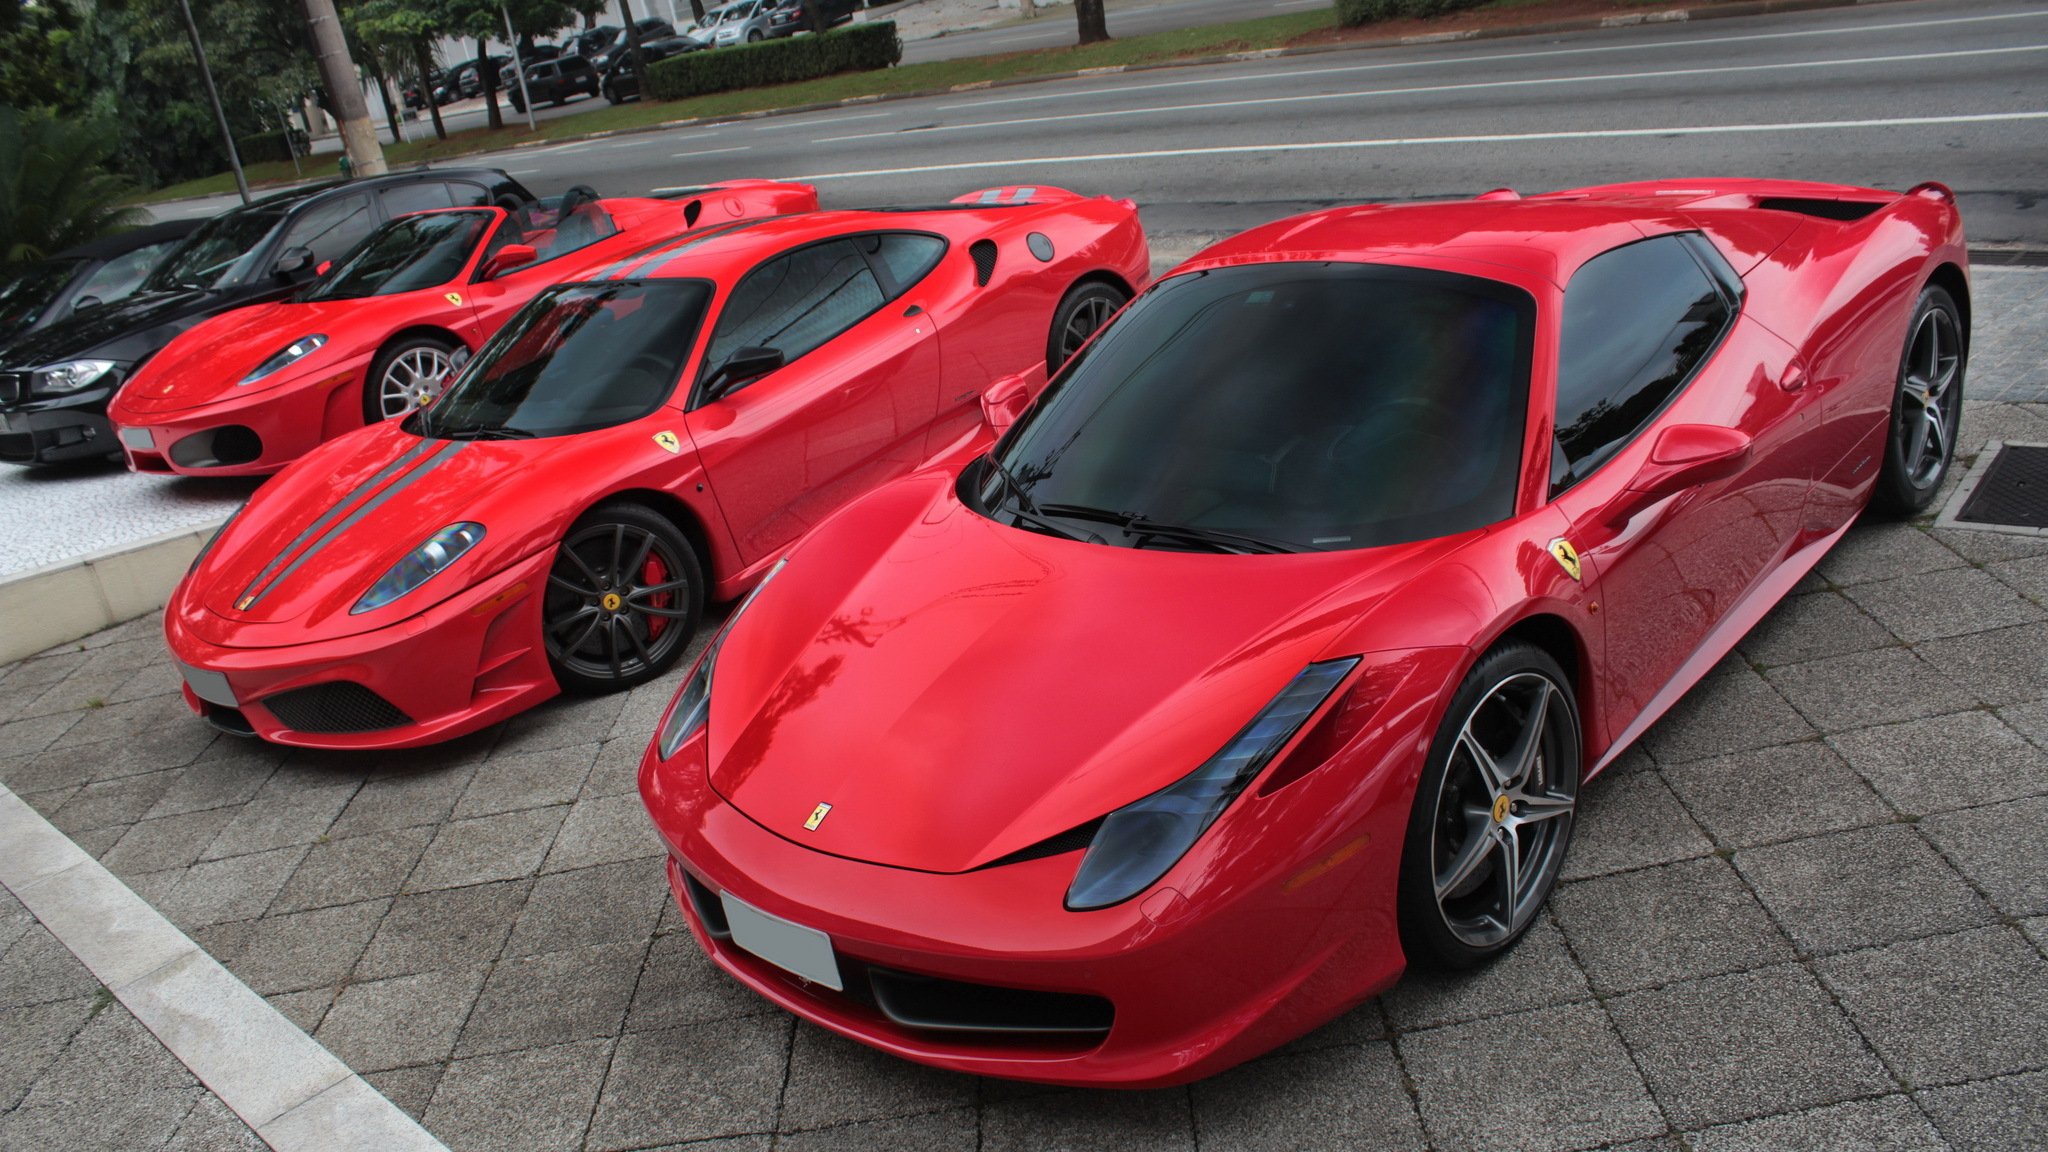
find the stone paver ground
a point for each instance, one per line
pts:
(1809, 911)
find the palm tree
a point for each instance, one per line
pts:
(55, 188)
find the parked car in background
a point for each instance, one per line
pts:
(786, 17)
(622, 83)
(465, 81)
(604, 52)
(508, 75)
(106, 270)
(743, 23)
(418, 93)
(55, 384)
(555, 81)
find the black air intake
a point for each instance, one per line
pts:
(335, 708)
(983, 253)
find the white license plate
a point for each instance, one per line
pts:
(806, 952)
(209, 686)
(138, 438)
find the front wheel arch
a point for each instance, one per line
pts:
(446, 337)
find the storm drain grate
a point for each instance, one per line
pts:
(2013, 489)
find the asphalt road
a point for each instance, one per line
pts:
(1886, 95)
(1056, 26)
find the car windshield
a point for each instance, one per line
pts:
(1284, 407)
(23, 299)
(408, 254)
(579, 358)
(218, 253)
(738, 12)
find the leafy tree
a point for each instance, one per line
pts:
(402, 33)
(484, 19)
(55, 189)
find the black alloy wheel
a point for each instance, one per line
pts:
(1085, 308)
(623, 599)
(1927, 407)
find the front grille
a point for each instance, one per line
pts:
(2014, 490)
(983, 253)
(13, 387)
(335, 708)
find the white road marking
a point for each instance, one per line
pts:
(805, 122)
(1417, 141)
(523, 172)
(279, 1080)
(1304, 4)
(1472, 86)
(708, 152)
(1292, 74)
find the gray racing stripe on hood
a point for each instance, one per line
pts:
(328, 517)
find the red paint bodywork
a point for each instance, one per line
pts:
(756, 468)
(191, 387)
(958, 689)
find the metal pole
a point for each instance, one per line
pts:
(518, 68)
(220, 117)
(338, 76)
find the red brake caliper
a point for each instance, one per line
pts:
(656, 573)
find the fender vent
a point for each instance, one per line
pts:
(691, 211)
(983, 253)
(335, 708)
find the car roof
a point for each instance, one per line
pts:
(292, 197)
(121, 243)
(731, 248)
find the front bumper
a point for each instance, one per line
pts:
(252, 435)
(72, 427)
(466, 663)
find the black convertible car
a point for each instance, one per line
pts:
(55, 383)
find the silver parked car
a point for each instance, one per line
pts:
(743, 23)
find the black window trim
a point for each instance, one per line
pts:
(1691, 241)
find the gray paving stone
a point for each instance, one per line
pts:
(1949, 1009)
(354, 869)
(408, 801)
(238, 888)
(400, 1022)
(2029, 720)
(305, 1009)
(214, 782)
(2002, 849)
(1555, 1078)
(1630, 822)
(165, 842)
(1731, 710)
(578, 994)
(2028, 576)
(561, 722)
(31, 1037)
(1339, 1098)
(111, 803)
(1537, 972)
(1956, 761)
(1948, 603)
(510, 781)
(1673, 922)
(280, 820)
(2005, 666)
(1745, 1045)
(617, 770)
(46, 803)
(681, 986)
(1775, 793)
(932, 1132)
(39, 970)
(690, 1083)
(2008, 1114)
(82, 689)
(24, 738)
(97, 842)
(1860, 888)
(429, 930)
(537, 1099)
(160, 722)
(1065, 1121)
(833, 1080)
(40, 672)
(212, 1127)
(156, 680)
(1812, 626)
(1982, 547)
(643, 706)
(1886, 1124)
(114, 1087)
(1886, 686)
(409, 1088)
(304, 949)
(57, 768)
(15, 920)
(501, 847)
(606, 904)
(604, 830)
(1883, 552)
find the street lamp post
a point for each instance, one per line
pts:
(518, 68)
(220, 117)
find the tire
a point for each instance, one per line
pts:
(397, 372)
(623, 600)
(753, 36)
(1927, 407)
(1459, 904)
(1086, 307)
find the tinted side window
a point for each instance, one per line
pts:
(415, 198)
(797, 301)
(1637, 321)
(905, 257)
(331, 229)
(468, 195)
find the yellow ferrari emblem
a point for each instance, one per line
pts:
(1567, 556)
(245, 602)
(455, 298)
(818, 815)
(611, 601)
(1500, 808)
(668, 442)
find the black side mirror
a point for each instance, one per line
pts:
(743, 365)
(295, 265)
(84, 302)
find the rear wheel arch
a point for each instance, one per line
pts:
(1951, 279)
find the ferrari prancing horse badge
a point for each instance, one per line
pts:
(668, 442)
(1567, 556)
(455, 298)
(818, 815)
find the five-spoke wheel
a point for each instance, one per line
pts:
(1926, 407)
(623, 599)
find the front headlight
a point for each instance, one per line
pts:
(69, 376)
(420, 565)
(692, 706)
(1140, 841)
(290, 354)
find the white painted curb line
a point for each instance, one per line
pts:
(280, 1081)
(56, 604)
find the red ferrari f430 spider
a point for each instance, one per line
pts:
(375, 338)
(1269, 650)
(626, 447)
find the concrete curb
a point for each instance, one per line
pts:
(59, 603)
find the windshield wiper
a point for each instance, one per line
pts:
(482, 432)
(1026, 511)
(1141, 526)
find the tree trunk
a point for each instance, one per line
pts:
(697, 11)
(813, 17)
(633, 44)
(383, 83)
(1093, 20)
(487, 78)
(425, 64)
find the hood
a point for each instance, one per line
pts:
(126, 330)
(208, 360)
(939, 678)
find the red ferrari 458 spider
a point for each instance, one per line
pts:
(627, 446)
(1269, 651)
(254, 389)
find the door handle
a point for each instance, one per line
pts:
(1794, 378)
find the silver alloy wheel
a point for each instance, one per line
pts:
(413, 379)
(1927, 398)
(1504, 810)
(1093, 313)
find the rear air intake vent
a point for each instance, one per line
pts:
(335, 708)
(1842, 210)
(983, 253)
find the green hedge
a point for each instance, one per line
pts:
(856, 48)
(1351, 13)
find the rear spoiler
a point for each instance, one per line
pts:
(1014, 194)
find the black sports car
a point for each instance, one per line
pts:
(101, 272)
(55, 383)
